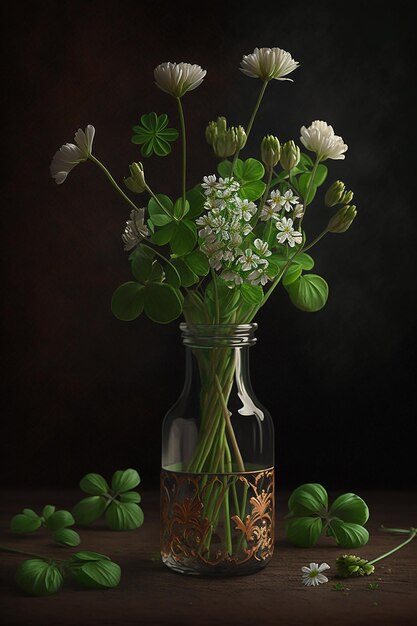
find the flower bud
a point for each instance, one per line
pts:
(240, 137)
(221, 125)
(211, 132)
(270, 151)
(347, 197)
(351, 565)
(341, 220)
(225, 145)
(290, 155)
(334, 194)
(136, 181)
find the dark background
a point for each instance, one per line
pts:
(84, 392)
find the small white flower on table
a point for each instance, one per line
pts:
(312, 576)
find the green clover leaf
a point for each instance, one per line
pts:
(153, 135)
(57, 521)
(39, 578)
(119, 504)
(309, 516)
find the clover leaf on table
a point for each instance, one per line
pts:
(57, 521)
(153, 134)
(119, 503)
(309, 516)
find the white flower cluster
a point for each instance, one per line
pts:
(223, 229)
(278, 204)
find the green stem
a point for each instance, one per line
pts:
(230, 431)
(252, 119)
(113, 182)
(309, 188)
(275, 283)
(317, 239)
(216, 296)
(37, 556)
(413, 533)
(255, 218)
(184, 151)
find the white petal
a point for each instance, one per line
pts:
(323, 567)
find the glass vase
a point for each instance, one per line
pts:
(217, 478)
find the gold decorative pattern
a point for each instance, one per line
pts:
(216, 521)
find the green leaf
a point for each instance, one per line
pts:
(141, 268)
(196, 198)
(124, 516)
(125, 480)
(164, 234)
(184, 237)
(186, 276)
(30, 513)
(157, 273)
(181, 210)
(158, 216)
(307, 499)
(252, 294)
(39, 578)
(101, 574)
(86, 555)
(304, 531)
(66, 537)
(303, 185)
(47, 511)
(309, 293)
(127, 301)
(350, 508)
(88, 510)
(130, 496)
(305, 260)
(249, 170)
(197, 262)
(94, 484)
(292, 273)
(22, 523)
(252, 190)
(224, 168)
(349, 535)
(321, 175)
(172, 276)
(154, 134)
(163, 303)
(306, 160)
(60, 519)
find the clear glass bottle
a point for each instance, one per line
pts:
(217, 478)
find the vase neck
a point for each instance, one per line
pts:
(218, 335)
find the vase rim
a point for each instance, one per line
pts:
(218, 335)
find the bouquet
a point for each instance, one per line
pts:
(217, 252)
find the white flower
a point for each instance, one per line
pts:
(135, 229)
(288, 199)
(268, 211)
(259, 276)
(69, 155)
(249, 260)
(312, 575)
(319, 137)
(210, 183)
(247, 208)
(268, 63)
(287, 232)
(262, 246)
(178, 78)
(298, 211)
(232, 276)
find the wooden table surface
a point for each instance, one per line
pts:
(150, 594)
